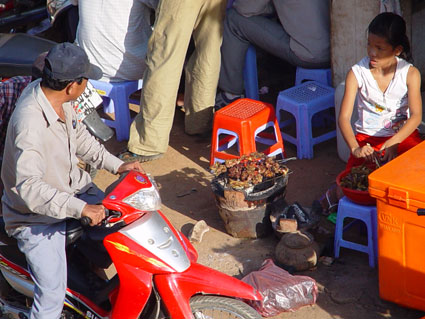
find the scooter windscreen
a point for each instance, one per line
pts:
(132, 195)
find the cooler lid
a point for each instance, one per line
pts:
(401, 182)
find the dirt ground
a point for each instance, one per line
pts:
(348, 288)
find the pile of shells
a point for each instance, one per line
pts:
(249, 170)
(357, 178)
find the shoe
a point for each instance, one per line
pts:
(128, 156)
(221, 100)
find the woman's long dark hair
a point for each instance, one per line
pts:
(392, 27)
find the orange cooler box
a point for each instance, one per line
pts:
(399, 188)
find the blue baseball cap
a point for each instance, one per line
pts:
(69, 62)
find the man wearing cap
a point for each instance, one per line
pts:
(43, 184)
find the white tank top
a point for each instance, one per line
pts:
(381, 113)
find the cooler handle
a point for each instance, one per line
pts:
(421, 211)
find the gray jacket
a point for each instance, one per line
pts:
(40, 169)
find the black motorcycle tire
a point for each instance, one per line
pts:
(221, 308)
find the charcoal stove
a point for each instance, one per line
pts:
(245, 211)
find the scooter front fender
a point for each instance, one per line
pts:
(176, 289)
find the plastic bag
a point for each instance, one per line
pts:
(281, 291)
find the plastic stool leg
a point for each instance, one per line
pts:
(338, 234)
(366, 214)
(250, 74)
(229, 4)
(304, 133)
(108, 104)
(374, 228)
(374, 223)
(370, 244)
(122, 115)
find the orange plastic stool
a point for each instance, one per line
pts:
(244, 122)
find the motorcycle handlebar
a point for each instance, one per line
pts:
(86, 221)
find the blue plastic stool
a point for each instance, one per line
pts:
(116, 97)
(251, 78)
(367, 214)
(323, 76)
(320, 75)
(250, 74)
(303, 101)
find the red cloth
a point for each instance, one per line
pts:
(377, 142)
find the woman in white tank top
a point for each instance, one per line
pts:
(389, 101)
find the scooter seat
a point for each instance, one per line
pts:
(18, 52)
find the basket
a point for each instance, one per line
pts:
(358, 197)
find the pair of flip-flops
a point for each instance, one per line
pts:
(128, 156)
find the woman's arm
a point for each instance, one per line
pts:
(344, 119)
(415, 110)
(347, 106)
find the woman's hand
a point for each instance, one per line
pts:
(390, 151)
(365, 151)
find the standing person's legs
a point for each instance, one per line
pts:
(44, 249)
(203, 67)
(150, 131)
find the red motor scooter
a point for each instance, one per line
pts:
(157, 273)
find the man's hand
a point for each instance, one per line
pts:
(130, 166)
(95, 212)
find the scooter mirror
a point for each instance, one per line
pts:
(97, 128)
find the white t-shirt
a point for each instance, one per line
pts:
(115, 34)
(381, 113)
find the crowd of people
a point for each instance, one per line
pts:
(123, 40)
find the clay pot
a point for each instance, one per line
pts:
(297, 249)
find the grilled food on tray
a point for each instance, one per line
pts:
(249, 170)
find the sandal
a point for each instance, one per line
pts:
(128, 156)
(330, 199)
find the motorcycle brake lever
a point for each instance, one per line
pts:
(110, 215)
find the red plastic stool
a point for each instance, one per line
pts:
(244, 122)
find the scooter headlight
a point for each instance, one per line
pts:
(146, 199)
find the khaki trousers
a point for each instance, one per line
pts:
(176, 22)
